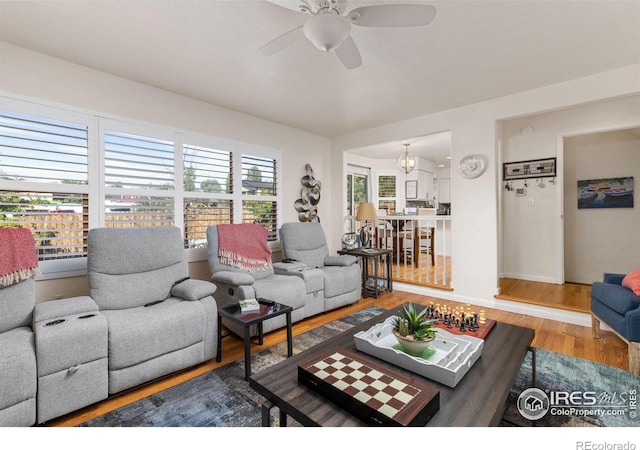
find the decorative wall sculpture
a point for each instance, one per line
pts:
(307, 204)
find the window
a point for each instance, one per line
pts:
(200, 213)
(44, 182)
(208, 176)
(357, 191)
(136, 167)
(207, 170)
(59, 221)
(62, 173)
(43, 150)
(387, 193)
(138, 162)
(259, 192)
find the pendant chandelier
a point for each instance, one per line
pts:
(407, 161)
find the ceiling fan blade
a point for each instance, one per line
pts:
(392, 15)
(283, 41)
(349, 54)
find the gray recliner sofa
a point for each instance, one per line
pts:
(305, 243)
(18, 377)
(159, 321)
(144, 319)
(235, 284)
(302, 286)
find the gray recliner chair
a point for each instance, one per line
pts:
(235, 284)
(305, 243)
(18, 376)
(159, 321)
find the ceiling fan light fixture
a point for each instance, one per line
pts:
(327, 31)
(407, 161)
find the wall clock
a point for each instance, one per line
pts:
(472, 166)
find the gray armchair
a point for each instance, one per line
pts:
(235, 284)
(159, 321)
(18, 367)
(305, 242)
(18, 377)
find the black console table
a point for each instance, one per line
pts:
(375, 256)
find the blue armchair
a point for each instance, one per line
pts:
(619, 308)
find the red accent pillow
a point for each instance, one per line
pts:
(632, 281)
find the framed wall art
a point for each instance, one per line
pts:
(411, 187)
(535, 168)
(605, 193)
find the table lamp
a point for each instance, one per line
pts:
(366, 212)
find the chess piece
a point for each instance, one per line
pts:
(483, 318)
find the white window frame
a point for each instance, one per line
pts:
(97, 123)
(62, 267)
(385, 173)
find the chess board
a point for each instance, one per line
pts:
(481, 332)
(375, 393)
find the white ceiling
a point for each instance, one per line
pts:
(434, 147)
(208, 50)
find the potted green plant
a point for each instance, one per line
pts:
(412, 330)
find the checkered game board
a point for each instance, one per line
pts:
(370, 386)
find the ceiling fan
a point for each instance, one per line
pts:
(329, 27)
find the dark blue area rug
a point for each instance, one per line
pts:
(222, 398)
(581, 393)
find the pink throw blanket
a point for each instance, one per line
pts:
(244, 246)
(18, 257)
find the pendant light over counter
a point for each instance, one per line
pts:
(407, 161)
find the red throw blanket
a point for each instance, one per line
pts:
(18, 257)
(244, 246)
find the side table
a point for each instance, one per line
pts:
(375, 255)
(268, 309)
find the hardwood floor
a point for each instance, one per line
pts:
(425, 274)
(569, 296)
(550, 335)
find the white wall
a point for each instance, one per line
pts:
(475, 130)
(475, 224)
(31, 75)
(600, 240)
(533, 246)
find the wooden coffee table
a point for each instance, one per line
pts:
(479, 399)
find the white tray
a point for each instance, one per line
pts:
(454, 354)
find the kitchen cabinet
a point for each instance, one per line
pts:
(444, 190)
